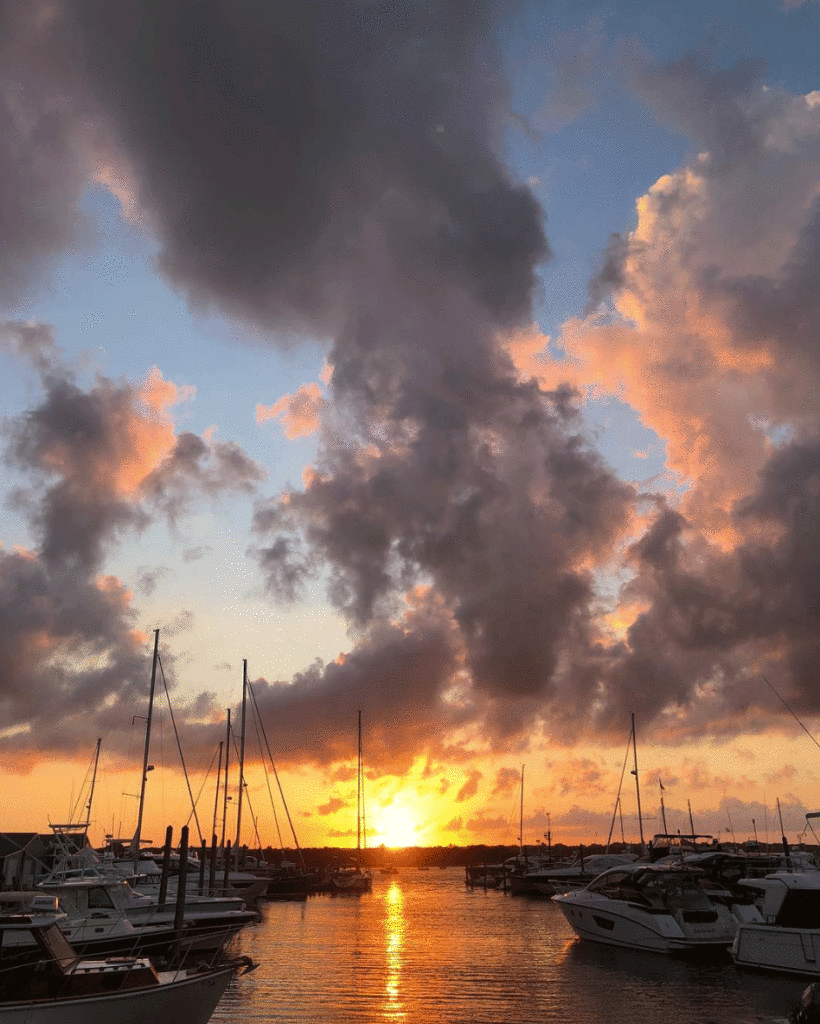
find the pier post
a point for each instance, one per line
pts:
(212, 868)
(166, 865)
(179, 912)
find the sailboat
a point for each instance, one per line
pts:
(354, 876)
(59, 987)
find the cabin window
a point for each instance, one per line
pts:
(800, 909)
(98, 899)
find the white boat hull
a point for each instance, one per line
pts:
(775, 948)
(189, 999)
(618, 924)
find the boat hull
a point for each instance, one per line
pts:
(189, 999)
(632, 927)
(163, 943)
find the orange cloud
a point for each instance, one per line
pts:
(679, 348)
(299, 414)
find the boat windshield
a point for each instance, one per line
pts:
(669, 890)
(611, 882)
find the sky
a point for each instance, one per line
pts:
(452, 363)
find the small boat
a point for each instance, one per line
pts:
(484, 876)
(660, 909)
(351, 877)
(62, 988)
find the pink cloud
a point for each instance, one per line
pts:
(299, 414)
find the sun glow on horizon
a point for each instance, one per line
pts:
(396, 827)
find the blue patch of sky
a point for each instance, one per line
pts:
(590, 155)
(588, 165)
(114, 310)
(114, 314)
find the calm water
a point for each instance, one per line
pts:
(422, 948)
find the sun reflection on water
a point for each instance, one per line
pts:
(394, 938)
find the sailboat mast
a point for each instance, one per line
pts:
(241, 762)
(359, 797)
(637, 784)
(358, 788)
(93, 782)
(145, 766)
(521, 816)
(225, 787)
(218, 782)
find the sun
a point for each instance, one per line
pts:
(396, 827)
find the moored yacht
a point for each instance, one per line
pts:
(781, 931)
(643, 906)
(103, 916)
(62, 988)
(553, 879)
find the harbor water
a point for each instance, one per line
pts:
(423, 948)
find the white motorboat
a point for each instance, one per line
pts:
(781, 931)
(101, 917)
(62, 988)
(644, 906)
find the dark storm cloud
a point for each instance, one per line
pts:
(72, 663)
(334, 167)
(610, 277)
(269, 139)
(198, 467)
(44, 159)
(498, 516)
(711, 335)
(98, 445)
(77, 437)
(783, 311)
(716, 621)
(394, 676)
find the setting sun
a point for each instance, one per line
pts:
(396, 827)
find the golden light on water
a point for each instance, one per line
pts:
(394, 951)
